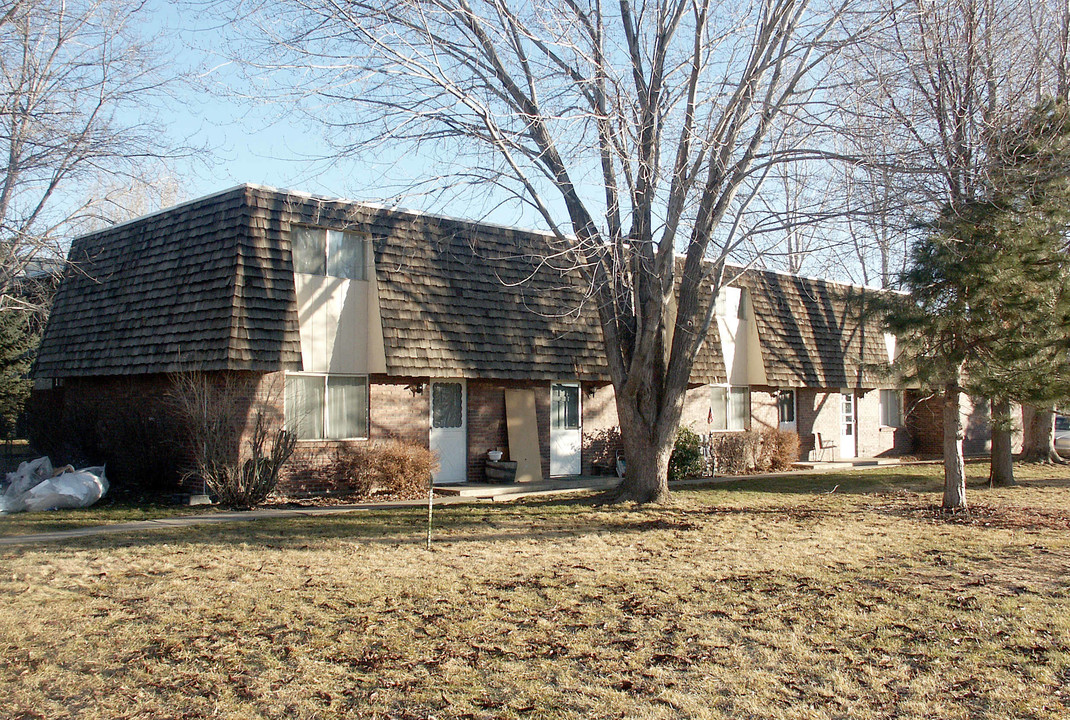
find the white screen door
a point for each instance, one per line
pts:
(566, 435)
(449, 440)
(848, 426)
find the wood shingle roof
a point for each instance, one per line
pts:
(816, 333)
(209, 285)
(188, 288)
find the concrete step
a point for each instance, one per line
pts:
(845, 464)
(514, 491)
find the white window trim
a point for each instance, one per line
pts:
(326, 412)
(901, 401)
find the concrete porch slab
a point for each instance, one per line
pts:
(848, 463)
(513, 491)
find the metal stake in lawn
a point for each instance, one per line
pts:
(430, 507)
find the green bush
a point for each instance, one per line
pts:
(686, 459)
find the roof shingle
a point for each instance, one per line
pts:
(209, 285)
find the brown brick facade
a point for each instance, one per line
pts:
(926, 423)
(821, 411)
(126, 422)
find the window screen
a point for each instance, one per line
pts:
(327, 406)
(347, 407)
(309, 250)
(738, 408)
(304, 406)
(729, 407)
(891, 408)
(345, 255)
(565, 407)
(718, 408)
(447, 405)
(785, 404)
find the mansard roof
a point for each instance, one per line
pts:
(209, 285)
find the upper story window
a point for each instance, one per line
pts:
(336, 253)
(720, 305)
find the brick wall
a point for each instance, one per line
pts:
(395, 413)
(125, 422)
(487, 429)
(542, 417)
(696, 408)
(601, 433)
(128, 422)
(820, 411)
(874, 439)
(131, 424)
(763, 411)
(926, 423)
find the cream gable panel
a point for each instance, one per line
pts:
(739, 340)
(340, 325)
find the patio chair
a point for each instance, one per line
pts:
(821, 445)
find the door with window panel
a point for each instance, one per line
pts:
(848, 426)
(449, 435)
(566, 434)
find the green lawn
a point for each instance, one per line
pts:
(759, 599)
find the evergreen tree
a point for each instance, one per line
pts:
(989, 305)
(17, 345)
(1030, 180)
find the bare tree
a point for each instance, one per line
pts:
(636, 132)
(77, 80)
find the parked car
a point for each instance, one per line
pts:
(1062, 435)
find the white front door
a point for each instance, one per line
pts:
(848, 425)
(449, 438)
(566, 435)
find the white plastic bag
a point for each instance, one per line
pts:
(78, 489)
(30, 473)
(33, 488)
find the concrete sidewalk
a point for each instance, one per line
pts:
(275, 513)
(219, 518)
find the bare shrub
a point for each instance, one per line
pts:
(238, 476)
(398, 468)
(769, 450)
(781, 449)
(733, 452)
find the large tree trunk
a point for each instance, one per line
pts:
(648, 445)
(1001, 471)
(954, 463)
(646, 476)
(1039, 440)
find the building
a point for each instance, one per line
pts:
(353, 323)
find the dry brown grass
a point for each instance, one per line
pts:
(761, 599)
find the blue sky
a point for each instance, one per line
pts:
(270, 144)
(245, 141)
